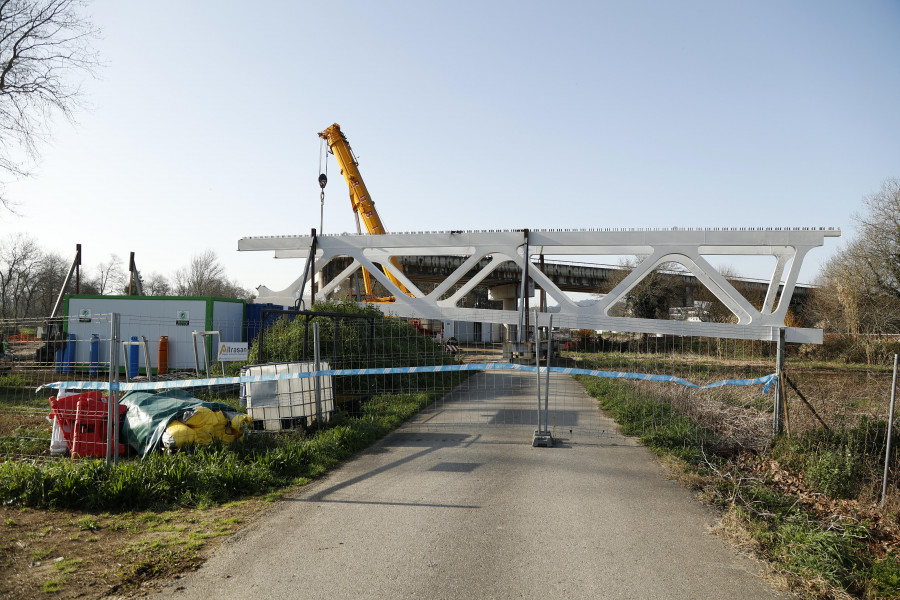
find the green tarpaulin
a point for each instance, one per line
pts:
(149, 413)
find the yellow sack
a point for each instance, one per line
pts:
(208, 424)
(240, 423)
(178, 435)
(204, 426)
(235, 428)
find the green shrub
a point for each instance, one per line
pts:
(15, 380)
(884, 578)
(394, 343)
(808, 551)
(837, 473)
(791, 452)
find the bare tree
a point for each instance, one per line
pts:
(157, 285)
(858, 290)
(849, 298)
(877, 249)
(50, 276)
(110, 276)
(20, 259)
(205, 276)
(43, 45)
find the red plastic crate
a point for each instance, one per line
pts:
(83, 421)
(65, 411)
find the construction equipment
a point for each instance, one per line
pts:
(52, 337)
(74, 269)
(134, 278)
(361, 201)
(51, 333)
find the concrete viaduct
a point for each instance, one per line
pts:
(569, 277)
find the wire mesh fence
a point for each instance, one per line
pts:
(473, 376)
(834, 416)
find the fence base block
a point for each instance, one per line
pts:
(542, 439)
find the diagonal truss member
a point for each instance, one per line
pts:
(684, 246)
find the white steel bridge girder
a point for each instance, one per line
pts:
(685, 246)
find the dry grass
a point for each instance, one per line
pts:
(71, 554)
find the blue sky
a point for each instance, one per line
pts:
(201, 127)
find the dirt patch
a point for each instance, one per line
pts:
(72, 554)
(9, 422)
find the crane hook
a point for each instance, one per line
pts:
(323, 179)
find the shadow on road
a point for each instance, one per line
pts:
(429, 442)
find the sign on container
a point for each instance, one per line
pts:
(233, 351)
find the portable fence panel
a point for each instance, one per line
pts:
(467, 377)
(72, 354)
(34, 352)
(664, 371)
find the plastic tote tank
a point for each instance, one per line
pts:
(287, 403)
(176, 317)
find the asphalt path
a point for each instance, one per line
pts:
(455, 505)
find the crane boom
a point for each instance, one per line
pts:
(361, 201)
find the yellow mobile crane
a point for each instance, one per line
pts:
(363, 207)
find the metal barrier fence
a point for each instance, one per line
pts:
(475, 375)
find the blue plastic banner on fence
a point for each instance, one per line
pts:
(766, 380)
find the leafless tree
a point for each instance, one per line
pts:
(20, 259)
(44, 46)
(877, 249)
(51, 274)
(205, 276)
(110, 278)
(849, 298)
(157, 285)
(858, 289)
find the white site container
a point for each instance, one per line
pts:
(286, 403)
(175, 317)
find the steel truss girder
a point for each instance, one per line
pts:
(685, 246)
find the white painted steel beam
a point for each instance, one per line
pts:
(684, 246)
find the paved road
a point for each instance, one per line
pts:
(453, 507)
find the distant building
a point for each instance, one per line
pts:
(698, 312)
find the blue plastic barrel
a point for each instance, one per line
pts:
(95, 353)
(133, 363)
(69, 354)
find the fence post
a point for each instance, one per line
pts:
(521, 333)
(316, 379)
(542, 436)
(777, 422)
(890, 431)
(547, 362)
(112, 419)
(371, 362)
(537, 364)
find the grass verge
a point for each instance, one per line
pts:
(204, 476)
(826, 546)
(112, 530)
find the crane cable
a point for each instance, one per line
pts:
(323, 180)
